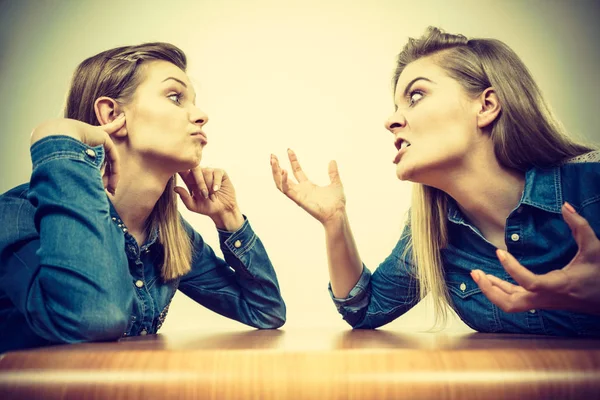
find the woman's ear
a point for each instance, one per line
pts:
(489, 108)
(107, 110)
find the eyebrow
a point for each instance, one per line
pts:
(183, 83)
(175, 79)
(413, 81)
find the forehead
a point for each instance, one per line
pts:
(424, 67)
(157, 71)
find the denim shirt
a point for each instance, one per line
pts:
(535, 234)
(71, 272)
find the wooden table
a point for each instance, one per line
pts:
(309, 364)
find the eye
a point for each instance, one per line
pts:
(414, 97)
(175, 97)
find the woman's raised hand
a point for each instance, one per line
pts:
(211, 193)
(90, 135)
(322, 202)
(576, 287)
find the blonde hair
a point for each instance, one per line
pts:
(116, 73)
(525, 134)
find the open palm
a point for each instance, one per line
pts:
(322, 202)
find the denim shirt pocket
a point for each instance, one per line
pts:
(471, 305)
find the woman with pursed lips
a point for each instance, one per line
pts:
(505, 210)
(93, 247)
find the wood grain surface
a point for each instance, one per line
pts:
(308, 364)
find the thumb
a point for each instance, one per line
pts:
(334, 175)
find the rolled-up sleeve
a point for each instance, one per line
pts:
(384, 295)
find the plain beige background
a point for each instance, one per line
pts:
(310, 75)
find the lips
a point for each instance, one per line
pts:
(401, 146)
(401, 143)
(200, 136)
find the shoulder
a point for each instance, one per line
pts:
(586, 158)
(581, 171)
(582, 166)
(580, 180)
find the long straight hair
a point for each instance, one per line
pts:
(525, 134)
(117, 73)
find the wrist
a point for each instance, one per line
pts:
(336, 220)
(229, 221)
(54, 127)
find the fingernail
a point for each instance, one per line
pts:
(215, 188)
(570, 208)
(121, 115)
(205, 193)
(501, 255)
(213, 197)
(475, 276)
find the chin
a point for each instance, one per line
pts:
(403, 173)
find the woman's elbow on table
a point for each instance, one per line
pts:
(273, 320)
(90, 323)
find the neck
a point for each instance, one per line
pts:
(486, 192)
(137, 193)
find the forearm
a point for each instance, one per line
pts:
(82, 280)
(345, 265)
(242, 287)
(261, 304)
(54, 127)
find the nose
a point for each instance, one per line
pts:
(395, 121)
(198, 116)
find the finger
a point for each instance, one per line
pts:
(185, 197)
(514, 302)
(195, 182)
(524, 277)
(296, 168)
(190, 182)
(113, 126)
(582, 231)
(205, 178)
(112, 158)
(217, 179)
(504, 285)
(285, 182)
(276, 171)
(334, 175)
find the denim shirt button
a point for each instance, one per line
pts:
(532, 311)
(139, 283)
(515, 237)
(143, 332)
(91, 153)
(463, 286)
(237, 244)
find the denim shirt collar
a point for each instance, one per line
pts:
(542, 190)
(116, 219)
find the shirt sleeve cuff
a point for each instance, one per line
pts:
(238, 242)
(358, 293)
(65, 147)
